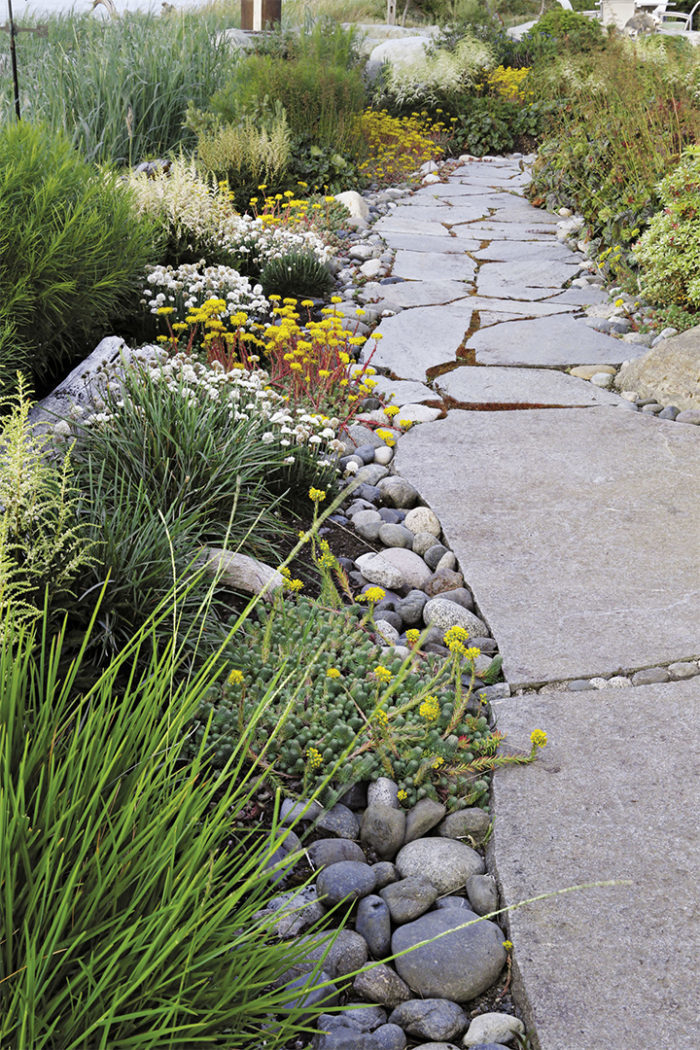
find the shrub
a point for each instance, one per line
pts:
(397, 146)
(668, 252)
(42, 546)
(247, 154)
(564, 30)
(134, 890)
(73, 253)
(297, 274)
(439, 79)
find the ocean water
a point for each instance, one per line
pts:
(41, 7)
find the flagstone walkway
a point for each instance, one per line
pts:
(576, 525)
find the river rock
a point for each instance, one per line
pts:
(242, 573)
(308, 995)
(459, 965)
(383, 829)
(446, 862)
(410, 608)
(354, 202)
(385, 873)
(444, 580)
(493, 1028)
(430, 1018)
(439, 612)
(373, 923)
(397, 492)
(340, 821)
(390, 1037)
(668, 372)
(422, 818)
(395, 535)
(434, 555)
(346, 881)
(383, 792)
(470, 823)
(409, 898)
(355, 1015)
(422, 519)
(298, 910)
(382, 985)
(414, 572)
(482, 893)
(325, 852)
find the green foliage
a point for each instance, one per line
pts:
(42, 546)
(440, 80)
(133, 890)
(297, 275)
(120, 88)
(341, 713)
(491, 124)
(564, 30)
(73, 253)
(669, 251)
(322, 168)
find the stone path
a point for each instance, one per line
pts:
(576, 525)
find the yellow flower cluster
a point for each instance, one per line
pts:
(430, 708)
(235, 677)
(398, 146)
(510, 83)
(382, 674)
(372, 594)
(314, 758)
(333, 672)
(288, 209)
(412, 636)
(538, 738)
(316, 495)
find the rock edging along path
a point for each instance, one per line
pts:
(576, 525)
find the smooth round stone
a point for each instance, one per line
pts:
(370, 493)
(447, 863)
(354, 460)
(367, 453)
(493, 1028)
(482, 893)
(670, 412)
(343, 1038)
(602, 379)
(302, 811)
(422, 818)
(443, 614)
(309, 996)
(438, 1046)
(410, 608)
(422, 542)
(683, 669)
(414, 572)
(390, 1037)
(325, 852)
(366, 517)
(383, 829)
(444, 580)
(409, 898)
(459, 965)
(418, 413)
(368, 528)
(461, 595)
(356, 1016)
(384, 455)
(422, 519)
(434, 554)
(347, 954)
(382, 985)
(392, 516)
(430, 1018)
(347, 880)
(688, 415)
(383, 792)
(391, 618)
(650, 676)
(448, 561)
(395, 536)
(452, 902)
(378, 570)
(385, 873)
(397, 492)
(373, 923)
(355, 798)
(340, 821)
(371, 474)
(389, 633)
(358, 505)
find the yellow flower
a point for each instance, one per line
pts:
(472, 653)
(316, 495)
(439, 761)
(402, 795)
(164, 310)
(412, 636)
(508, 945)
(391, 410)
(538, 738)
(455, 634)
(235, 677)
(430, 708)
(405, 424)
(372, 594)
(383, 674)
(333, 672)
(314, 757)
(294, 585)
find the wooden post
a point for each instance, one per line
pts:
(391, 12)
(257, 15)
(13, 30)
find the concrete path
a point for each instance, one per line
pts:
(576, 525)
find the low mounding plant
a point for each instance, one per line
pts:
(668, 252)
(72, 253)
(133, 890)
(296, 274)
(564, 30)
(42, 546)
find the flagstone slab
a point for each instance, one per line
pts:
(577, 529)
(450, 189)
(417, 340)
(518, 309)
(407, 222)
(433, 266)
(404, 391)
(488, 230)
(419, 293)
(512, 208)
(530, 273)
(550, 342)
(582, 296)
(420, 242)
(612, 966)
(500, 250)
(529, 386)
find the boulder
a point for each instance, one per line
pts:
(669, 372)
(242, 573)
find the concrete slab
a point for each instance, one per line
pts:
(577, 529)
(612, 796)
(549, 341)
(433, 266)
(420, 293)
(520, 386)
(416, 340)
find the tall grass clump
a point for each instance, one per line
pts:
(133, 890)
(120, 88)
(72, 253)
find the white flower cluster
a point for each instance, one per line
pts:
(261, 242)
(248, 394)
(191, 284)
(440, 71)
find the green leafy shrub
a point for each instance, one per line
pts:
(322, 168)
(342, 713)
(134, 891)
(42, 546)
(493, 124)
(296, 274)
(562, 30)
(72, 253)
(668, 252)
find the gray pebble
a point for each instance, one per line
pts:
(392, 515)
(382, 985)
(683, 669)
(395, 536)
(482, 893)
(340, 821)
(384, 792)
(689, 415)
(409, 898)
(373, 923)
(424, 816)
(346, 880)
(383, 829)
(410, 608)
(397, 492)
(578, 685)
(452, 902)
(422, 542)
(670, 412)
(430, 1018)
(390, 1037)
(650, 675)
(466, 823)
(385, 873)
(433, 555)
(391, 618)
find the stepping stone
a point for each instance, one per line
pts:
(604, 801)
(405, 392)
(515, 251)
(534, 386)
(449, 190)
(513, 208)
(581, 541)
(433, 266)
(549, 341)
(410, 223)
(421, 293)
(582, 296)
(528, 273)
(523, 309)
(488, 230)
(416, 340)
(443, 242)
